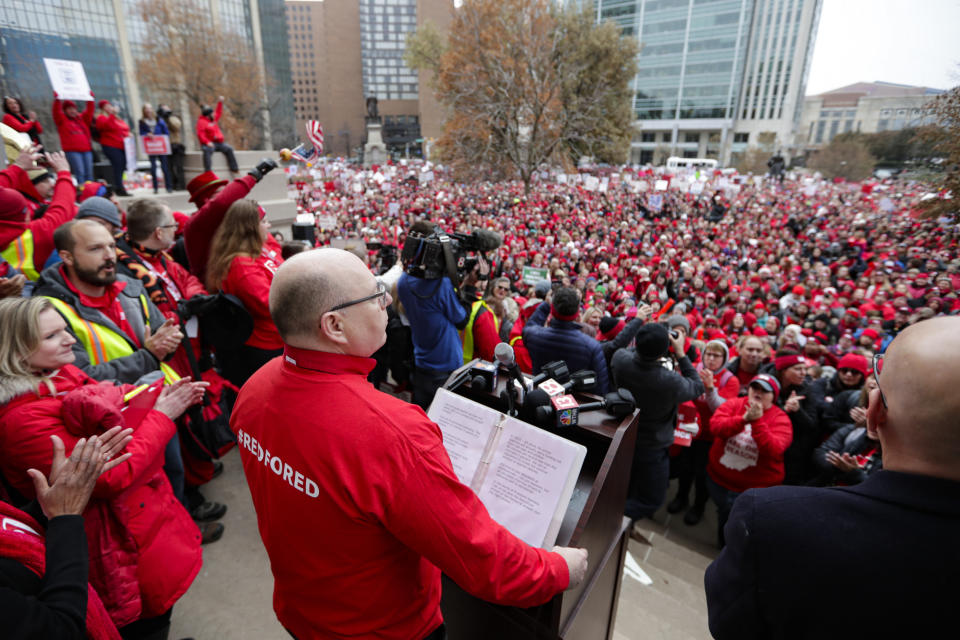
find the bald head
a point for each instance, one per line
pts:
(307, 285)
(919, 430)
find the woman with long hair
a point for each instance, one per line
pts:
(144, 549)
(16, 118)
(239, 266)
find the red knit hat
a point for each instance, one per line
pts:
(853, 361)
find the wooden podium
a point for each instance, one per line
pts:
(594, 521)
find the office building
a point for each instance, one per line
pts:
(345, 51)
(864, 107)
(716, 77)
(105, 36)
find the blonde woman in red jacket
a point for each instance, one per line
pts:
(243, 265)
(144, 549)
(113, 131)
(750, 437)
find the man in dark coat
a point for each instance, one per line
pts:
(658, 391)
(792, 550)
(562, 339)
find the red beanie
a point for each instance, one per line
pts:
(853, 361)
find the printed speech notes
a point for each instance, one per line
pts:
(524, 475)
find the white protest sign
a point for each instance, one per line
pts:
(68, 79)
(561, 178)
(393, 208)
(591, 183)
(604, 185)
(696, 188)
(327, 221)
(660, 185)
(655, 202)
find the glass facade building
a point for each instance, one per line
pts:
(105, 36)
(384, 25)
(715, 76)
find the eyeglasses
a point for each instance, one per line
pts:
(169, 226)
(381, 294)
(500, 288)
(877, 359)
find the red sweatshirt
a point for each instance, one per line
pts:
(360, 510)
(112, 131)
(249, 279)
(208, 131)
(743, 458)
(74, 132)
(203, 224)
(17, 124)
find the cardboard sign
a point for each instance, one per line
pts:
(155, 145)
(68, 79)
(533, 275)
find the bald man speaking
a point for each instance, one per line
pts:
(357, 502)
(877, 560)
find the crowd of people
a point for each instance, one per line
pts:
(748, 318)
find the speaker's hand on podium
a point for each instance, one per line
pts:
(576, 564)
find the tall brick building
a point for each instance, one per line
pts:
(345, 51)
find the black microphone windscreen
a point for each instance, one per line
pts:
(487, 240)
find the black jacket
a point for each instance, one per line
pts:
(657, 391)
(803, 562)
(849, 439)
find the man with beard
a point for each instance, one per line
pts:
(121, 335)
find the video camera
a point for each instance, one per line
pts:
(441, 254)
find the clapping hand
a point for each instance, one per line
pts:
(754, 411)
(843, 462)
(706, 377)
(177, 397)
(165, 341)
(72, 479)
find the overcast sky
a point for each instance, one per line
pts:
(909, 42)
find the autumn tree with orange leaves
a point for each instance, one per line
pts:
(527, 83)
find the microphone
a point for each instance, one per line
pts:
(486, 240)
(556, 369)
(567, 410)
(508, 360)
(487, 372)
(583, 380)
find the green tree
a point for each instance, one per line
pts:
(847, 159)
(526, 82)
(943, 140)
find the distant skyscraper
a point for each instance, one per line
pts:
(345, 51)
(716, 77)
(105, 36)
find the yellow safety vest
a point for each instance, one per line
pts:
(467, 334)
(101, 343)
(19, 253)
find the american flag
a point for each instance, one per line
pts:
(315, 134)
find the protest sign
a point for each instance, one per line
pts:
(327, 221)
(155, 145)
(661, 185)
(655, 202)
(68, 79)
(533, 275)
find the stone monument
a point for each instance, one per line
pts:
(374, 152)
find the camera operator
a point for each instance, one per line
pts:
(436, 314)
(658, 391)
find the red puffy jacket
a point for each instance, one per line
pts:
(741, 460)
(144, 548)
(62, 208)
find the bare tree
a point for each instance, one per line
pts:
(526, 82)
